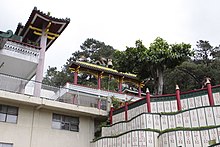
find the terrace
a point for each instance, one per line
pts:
(70, 93)
(15, 54)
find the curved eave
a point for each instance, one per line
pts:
(84, 66)
(39, 19)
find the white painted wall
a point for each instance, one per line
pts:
(33, 129)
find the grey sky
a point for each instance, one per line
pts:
(119, 23)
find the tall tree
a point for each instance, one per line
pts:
(191, 73)
(204, 52)
(151, 62)
(92, 50)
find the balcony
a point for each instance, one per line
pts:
(99, 92)
(19, 59)
(63, 94)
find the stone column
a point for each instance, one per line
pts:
(40, 66)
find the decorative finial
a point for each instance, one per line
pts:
(147, 90)
(177, 87)
(111, 105)
(207, 81)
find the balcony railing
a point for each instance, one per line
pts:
(22, 48)
(61, 94)
(101, 92)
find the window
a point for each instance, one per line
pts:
(8, 114)
(64, 122)
(6, 145)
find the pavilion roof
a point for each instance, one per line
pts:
(85, 66)
(38, 19)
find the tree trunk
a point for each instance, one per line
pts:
(160, 81)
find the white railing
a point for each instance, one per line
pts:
(61, 94)
(100, 92)
(19, 48)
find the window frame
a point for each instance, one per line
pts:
(66, 122)
(3, 143)
(8, 112)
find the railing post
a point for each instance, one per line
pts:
(179, 108)
(111, 113)
(209, 89)
(148, 100)
(74, 99)
(126, 109)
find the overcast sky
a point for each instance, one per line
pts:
(119, 23)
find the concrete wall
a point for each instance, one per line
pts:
(33, 129)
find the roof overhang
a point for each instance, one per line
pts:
(93, 68)
(39, 20)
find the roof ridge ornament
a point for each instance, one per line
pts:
(7, 34)
(4, 36)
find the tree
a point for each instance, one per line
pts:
(56, 78)
(91, 50)
(203, 52)
(151, 62)
(191, 73)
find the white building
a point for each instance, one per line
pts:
(33, 114)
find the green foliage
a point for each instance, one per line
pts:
(109, 84)
(191, 73)
(92, 50)
(151, 62)
(203, 51)
(56, 78)
(116, 102)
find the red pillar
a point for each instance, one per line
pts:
(120, 85)
(209, 89)
(139, 88)
(76, 71)
(139, 91)
(179, 108)
(111, 113)
(148, 100)
(75, 77)
(99, 80)
(126, 110)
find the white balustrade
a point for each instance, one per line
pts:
(20, 48)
